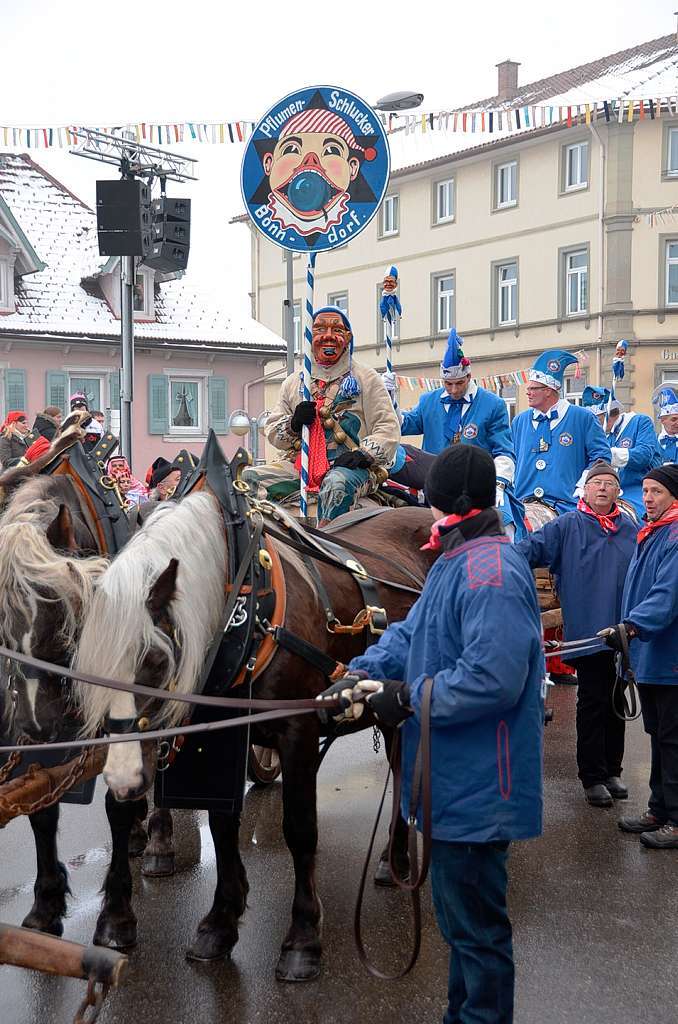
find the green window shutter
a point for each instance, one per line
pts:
(158, 413)
(114, 390)
(15, 390)
(56, 389)
(218, 404)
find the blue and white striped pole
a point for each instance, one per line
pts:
(306, 379)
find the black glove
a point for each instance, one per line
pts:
(612, 635)
(357, 459)
(303, 416)
(344, 709)
(389, 700)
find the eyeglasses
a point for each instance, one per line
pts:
(537, 387)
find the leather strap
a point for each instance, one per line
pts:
(421, 788)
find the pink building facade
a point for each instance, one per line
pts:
(60, 326)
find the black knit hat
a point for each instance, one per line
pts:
(667, 476)
(161, 469)
(462, 477)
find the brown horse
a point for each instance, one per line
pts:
(165, 594)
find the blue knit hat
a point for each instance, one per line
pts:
(549, 368)
(665, 397)
(455, 364)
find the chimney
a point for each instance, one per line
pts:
(507, 79)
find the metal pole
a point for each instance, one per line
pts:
(289, 311)
(127, 354)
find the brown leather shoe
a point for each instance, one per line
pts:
(645, 823)
(664, 838)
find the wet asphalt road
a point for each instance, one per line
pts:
(594, 914)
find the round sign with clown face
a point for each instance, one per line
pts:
(315, 169)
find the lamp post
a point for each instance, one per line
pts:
(391, 103)
(241, 423)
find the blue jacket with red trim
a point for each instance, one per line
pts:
(476, 630)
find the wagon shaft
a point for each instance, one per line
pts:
(42, 787)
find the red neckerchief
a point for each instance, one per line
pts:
(317, 449)
(444, 524)
(670, 516)
(607, 522)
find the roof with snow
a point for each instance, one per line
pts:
(646, 71)
(58, 290)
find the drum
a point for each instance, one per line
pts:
(538, 514)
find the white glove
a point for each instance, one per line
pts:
(620, 456)
(499, 498)
(389, 379)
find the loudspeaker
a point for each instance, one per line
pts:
(167, 257)
(171, 231)
(124, 219)
(171, 209)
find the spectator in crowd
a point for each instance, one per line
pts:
(14, 438)
(665, 398)
(78, 402)
(132, 490)
(164, 480)
(99, 417)
(48, 422)
(649, 616)
(476, 633)
(594, 543)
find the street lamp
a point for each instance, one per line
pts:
(241, 423)
(394, 101)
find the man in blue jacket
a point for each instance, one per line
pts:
(475, 631)
(650, 617)
(461, 412)
(665, 398)
(555, 441)
(594, 543)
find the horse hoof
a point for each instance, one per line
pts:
(209, 946)
(298, 965)
(122, 935)
(137, 840)
(156, 865)
(383, 877)
(47, 927)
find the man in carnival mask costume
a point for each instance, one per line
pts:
(354, 431)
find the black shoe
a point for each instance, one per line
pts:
(616, 787)
(645, 823)
(598, 795)
(664, 838)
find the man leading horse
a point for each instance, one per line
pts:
(354, 431)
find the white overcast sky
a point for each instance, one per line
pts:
(102, 63)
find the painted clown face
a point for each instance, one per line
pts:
(310, 171)
(330, 338)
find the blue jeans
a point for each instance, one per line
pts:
(469, 884)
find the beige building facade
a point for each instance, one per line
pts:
(541, 240)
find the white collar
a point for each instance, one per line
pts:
(621, 424)
(560, 408)
(664, 434)
(321, 224)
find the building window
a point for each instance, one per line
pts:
(381, 326)
(670, 152)
(506, 185)
(443, 301)
(296, 317)
(340, 300)
(573, 387)
(507, 293)
(443, 201)
(576, 282)
(672, 273)
(509, 392)
(187, 413)
(143, 303)
(390, 216)
(92, 386)
(6, 286)
(575, 166)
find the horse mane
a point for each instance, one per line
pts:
(30, 568)
(118, 631)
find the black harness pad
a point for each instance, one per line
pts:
(83, 791)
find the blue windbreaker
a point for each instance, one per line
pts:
(476, 630)
(650, 602)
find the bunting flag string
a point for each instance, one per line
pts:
(493, 382)
(667, 215)
(493, 121)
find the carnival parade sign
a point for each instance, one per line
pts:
(315, 169)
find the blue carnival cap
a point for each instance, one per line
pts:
(391, 272)
(455, 364)
(549, 368)
(665, 397)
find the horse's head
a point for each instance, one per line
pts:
(42, 591)
(152, 616)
